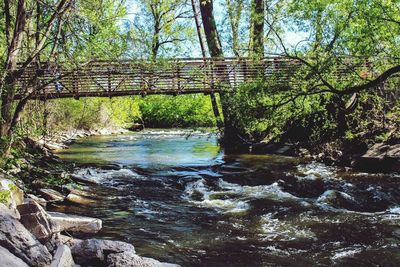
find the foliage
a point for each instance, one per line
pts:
(164, 28)
(259, 114)
(5, 196)
(179, 111)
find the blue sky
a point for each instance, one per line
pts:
(291, 38)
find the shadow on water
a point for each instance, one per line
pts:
(182, 200)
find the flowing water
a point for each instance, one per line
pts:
(179, 198)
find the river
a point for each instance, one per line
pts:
(179, 198)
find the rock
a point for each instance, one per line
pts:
(94, 251)
(51, 194)
(20, 242)
(393, 152)
(127, 259)
(304, 153)
(63, 257)
(29, 207)
(380, 157)
(110, 167)
(74, 223)
(36, 220)
(41, 201)
(74, 198)
(13, 196)
(284, 149)
(336, 199)
(84, 179)
(136, 127)
(377, 151)
(33, 146)
(10, 211)
(68, 240)
(396, 233)
(10, 260)
(79, 190)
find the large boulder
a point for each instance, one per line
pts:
(74, 223)
(10, 194)
(20, 242)
(95, 251)
(10, 260)
(36, 220)
(380, 157)
(63, 257)
(126, 259)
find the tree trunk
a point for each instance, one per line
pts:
(257, 29)
(13, 71)
(231, 137)
(7, 83)
(213, 99)
(155, 42)
(235, 8)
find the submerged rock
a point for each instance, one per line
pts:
(20, 242)
(63, 257)
(10, 260)
(336, 199)
(74, 223)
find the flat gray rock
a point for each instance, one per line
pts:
(74, 223)
(51, 194)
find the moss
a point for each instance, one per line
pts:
(5, 196)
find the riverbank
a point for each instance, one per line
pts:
(369, 157)
(32, 236)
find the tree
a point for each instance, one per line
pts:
(231, 135)
(47, 31)
(20, 55)
(257, 29)
(163, 23)
(235, 11)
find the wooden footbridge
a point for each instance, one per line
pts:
(136, 77)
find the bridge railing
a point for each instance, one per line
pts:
(179, 76)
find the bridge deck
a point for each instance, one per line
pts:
(171, 77)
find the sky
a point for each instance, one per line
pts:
(291, 38)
